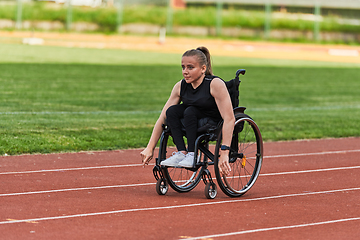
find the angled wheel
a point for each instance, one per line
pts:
(161, 186)
(210, 190)
(180, 179)
(245, 157)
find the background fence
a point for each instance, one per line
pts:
(112, 16)
(316, 5)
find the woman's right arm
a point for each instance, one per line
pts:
(148, 152)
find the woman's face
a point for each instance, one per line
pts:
(191, 69)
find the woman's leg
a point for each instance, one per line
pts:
(173, 116)
(191, 116)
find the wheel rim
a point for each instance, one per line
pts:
(182, 177)
(246, 161)
(163, 188)
(212, 192)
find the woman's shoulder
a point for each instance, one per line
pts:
(216, 85)
(177, 86)
(213, 78)
(216, 80)
(178, 83)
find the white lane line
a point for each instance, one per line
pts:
(147, 184)
(140, 165)
(312, 154)
(343, 52)
(275, 228)
(75, 189)
(311, 171)
(175, 206)
(72, 169)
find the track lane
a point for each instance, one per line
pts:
(180, 221)
(79, 202)
(38, 162)
(271, 194)
(129, 176)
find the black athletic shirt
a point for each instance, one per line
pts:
(200, 97)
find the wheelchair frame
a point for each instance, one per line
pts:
(245, 156)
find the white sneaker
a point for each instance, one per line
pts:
(188, 161)
(173, 160)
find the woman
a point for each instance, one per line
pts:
(202, 95)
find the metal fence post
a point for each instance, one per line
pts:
(169, 18)
(267, 24)
(69, 15)
(219, 7)
(119, 19)
(317, 22)
(18, 24)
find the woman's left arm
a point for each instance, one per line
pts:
(222, 98)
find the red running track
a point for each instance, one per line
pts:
(306, 190)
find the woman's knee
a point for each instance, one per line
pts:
(190, 112)
(174, 111)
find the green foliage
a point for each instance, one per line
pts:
(195, 17)
(39, 11)
(106, 17)
(8, 12)
(66, 99)
(241, 18)
(145, 14)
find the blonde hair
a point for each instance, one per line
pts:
(203, 56)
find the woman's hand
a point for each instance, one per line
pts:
(224, 166)
(146, 155)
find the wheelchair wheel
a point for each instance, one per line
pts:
(245, 157)
(210, 190)
(161, 186)
(180, 179)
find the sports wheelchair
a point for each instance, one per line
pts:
(245, 155)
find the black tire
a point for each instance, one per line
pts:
(210, 190)
(180, 179)
(161, 186)
(245, 157)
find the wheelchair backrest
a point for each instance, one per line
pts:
(233, 87)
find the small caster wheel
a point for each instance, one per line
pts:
(161, 186)
(210, 190)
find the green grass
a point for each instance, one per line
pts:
(68, 99)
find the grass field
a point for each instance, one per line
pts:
(57, 99)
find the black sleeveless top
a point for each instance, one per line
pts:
(200, 97)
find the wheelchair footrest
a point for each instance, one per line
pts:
(157, 172)
(206, 177)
